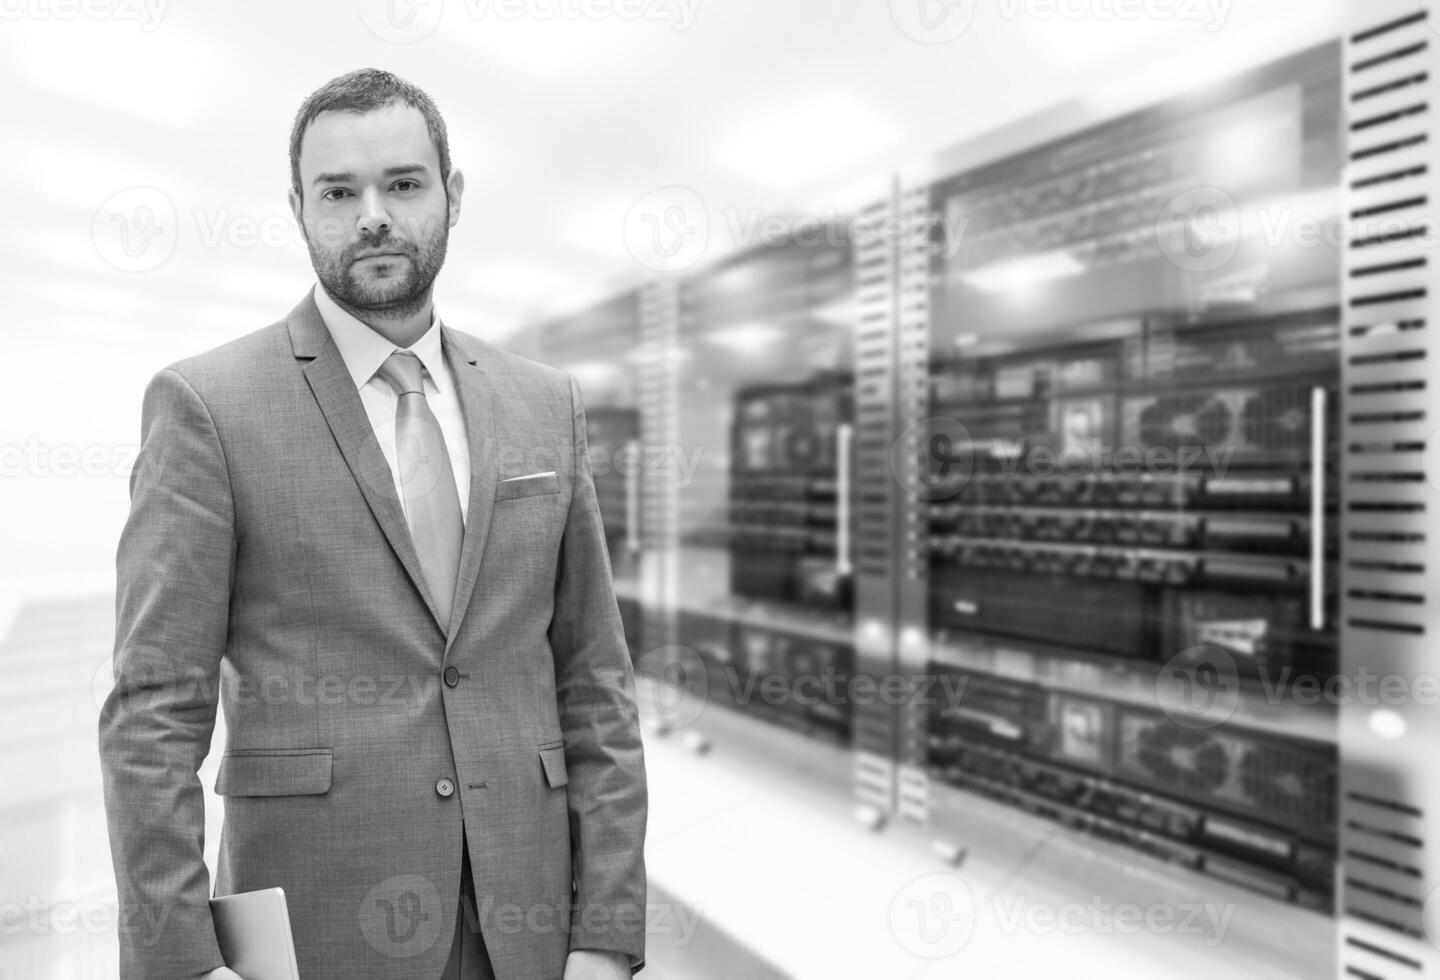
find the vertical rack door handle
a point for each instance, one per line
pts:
(843, 433)
(1317, 508)
(632, 496)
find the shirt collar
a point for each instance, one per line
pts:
(363, 349)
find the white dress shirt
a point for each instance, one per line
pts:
(364, 350)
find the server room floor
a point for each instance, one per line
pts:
(758, 868)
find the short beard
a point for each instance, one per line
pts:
(397, 299)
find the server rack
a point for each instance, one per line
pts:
(1389, 793)
(601, 346)
(1123, 466)
(763, 593)
(1298, 360)
(1130, 468)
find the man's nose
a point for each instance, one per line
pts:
(374, 219)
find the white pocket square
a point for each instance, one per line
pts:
(528, 476)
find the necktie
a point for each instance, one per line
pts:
(432, 504)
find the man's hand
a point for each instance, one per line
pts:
(595, 964)
(223, 973)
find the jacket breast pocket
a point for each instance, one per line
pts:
(552, 760)
(527, 486)
(275, 772)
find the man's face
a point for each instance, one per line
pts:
(375, 212)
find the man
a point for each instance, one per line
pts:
(375, 541)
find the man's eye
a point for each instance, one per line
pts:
(334, 194)
(406, 184)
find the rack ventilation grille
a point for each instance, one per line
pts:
(1387, 501)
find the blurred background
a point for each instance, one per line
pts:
(1011, 422)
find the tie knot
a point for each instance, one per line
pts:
(401, 372)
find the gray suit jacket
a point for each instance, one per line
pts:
(266, 568)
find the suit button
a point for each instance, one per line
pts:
(452, 677)
(445, 788)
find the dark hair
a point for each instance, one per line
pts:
(366, 90)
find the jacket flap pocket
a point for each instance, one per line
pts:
(275, 772)
(554, 762)
(527, 487)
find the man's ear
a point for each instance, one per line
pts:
(454, 188)
(297, 208)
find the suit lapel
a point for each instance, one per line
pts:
(340, 403)
(477, 399)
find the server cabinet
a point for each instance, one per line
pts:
(1128, 485)
(601, 347)
(1389, 792)
(765, 414)
(1141, 464)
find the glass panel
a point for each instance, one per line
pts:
(1132, 456)
(600, 346)
(766, 394)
